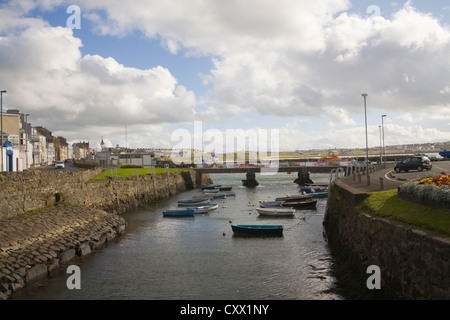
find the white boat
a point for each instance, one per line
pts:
(193, 203)
(210, 191)
(276, 211)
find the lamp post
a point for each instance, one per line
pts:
(1, 121)
(382, 129)
(367, 141)
(381, 148)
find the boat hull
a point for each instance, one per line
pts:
(294, 198)
(301, 204)
(179, 213)
(192, 203)
(257, 230)
(276, 212)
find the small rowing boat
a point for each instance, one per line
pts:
(276, 212)
(257, 230)
(192, 203)
(178, 213)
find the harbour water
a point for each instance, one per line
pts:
(199, 258)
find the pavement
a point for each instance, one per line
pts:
(391, 179)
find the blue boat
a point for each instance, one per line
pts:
(269, 230)
(179, 213)
(319, 194)
(445, 154)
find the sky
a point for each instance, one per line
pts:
(137, 72)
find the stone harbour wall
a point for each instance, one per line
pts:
(414, 263)
(27, 191)
(48, 218)
(32, 246)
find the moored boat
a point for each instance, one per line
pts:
(212, 186)
(210, 191)
(192, 203)
(272, 203)
(303, 204)
(228, 193)
(203, 209)
(293, 198)
(311, 189)
(178, 213)
(318, 194)
(224, 188)
(203, 197)
(258, 230)
(274, 211)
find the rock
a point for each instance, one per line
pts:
(67, 255)
(84, 249)
(36, 272)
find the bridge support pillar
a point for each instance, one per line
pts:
(251, 180)
(198, 179)
(303, 178)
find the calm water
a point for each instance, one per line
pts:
(199, 258)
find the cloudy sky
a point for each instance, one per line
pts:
(150, 67)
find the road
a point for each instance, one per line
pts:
(391, 179)
(68, 167)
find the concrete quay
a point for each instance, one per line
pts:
(34, 245)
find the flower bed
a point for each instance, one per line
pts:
(432, 191)
(439, 181)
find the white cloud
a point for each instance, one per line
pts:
(407, 117)
(288, 58)
(293, 57)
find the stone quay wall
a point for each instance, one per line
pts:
(32, 246)
(27, 191)
(48, 218)
(414, 263)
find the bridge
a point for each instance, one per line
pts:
(250, 181)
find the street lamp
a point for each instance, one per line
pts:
(381, 148)
(382, 129)
(1, 121)
(367, 141)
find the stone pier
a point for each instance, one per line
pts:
(250, 180)
(303, 178)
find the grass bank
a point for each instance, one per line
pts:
(131, 172)
(386, 204)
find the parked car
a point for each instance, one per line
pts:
(413, 163)
(59, 165)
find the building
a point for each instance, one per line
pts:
(145, 160)
(81, 150)
(10, 159)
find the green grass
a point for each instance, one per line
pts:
(386, 204)
(131, 172)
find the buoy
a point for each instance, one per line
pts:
(223, 234)
(223, 207)
(231, 221)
